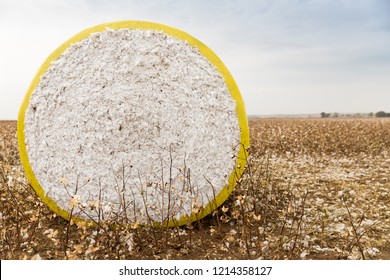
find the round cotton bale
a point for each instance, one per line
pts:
(133, 122)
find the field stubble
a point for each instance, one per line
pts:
(312, 189)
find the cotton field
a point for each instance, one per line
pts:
(312, 189)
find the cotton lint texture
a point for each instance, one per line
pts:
(132, 124)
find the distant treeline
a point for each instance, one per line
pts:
(380, 114)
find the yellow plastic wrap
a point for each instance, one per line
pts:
(204, 50)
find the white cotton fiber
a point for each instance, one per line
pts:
(131, 124)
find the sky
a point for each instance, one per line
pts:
(286, 56)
